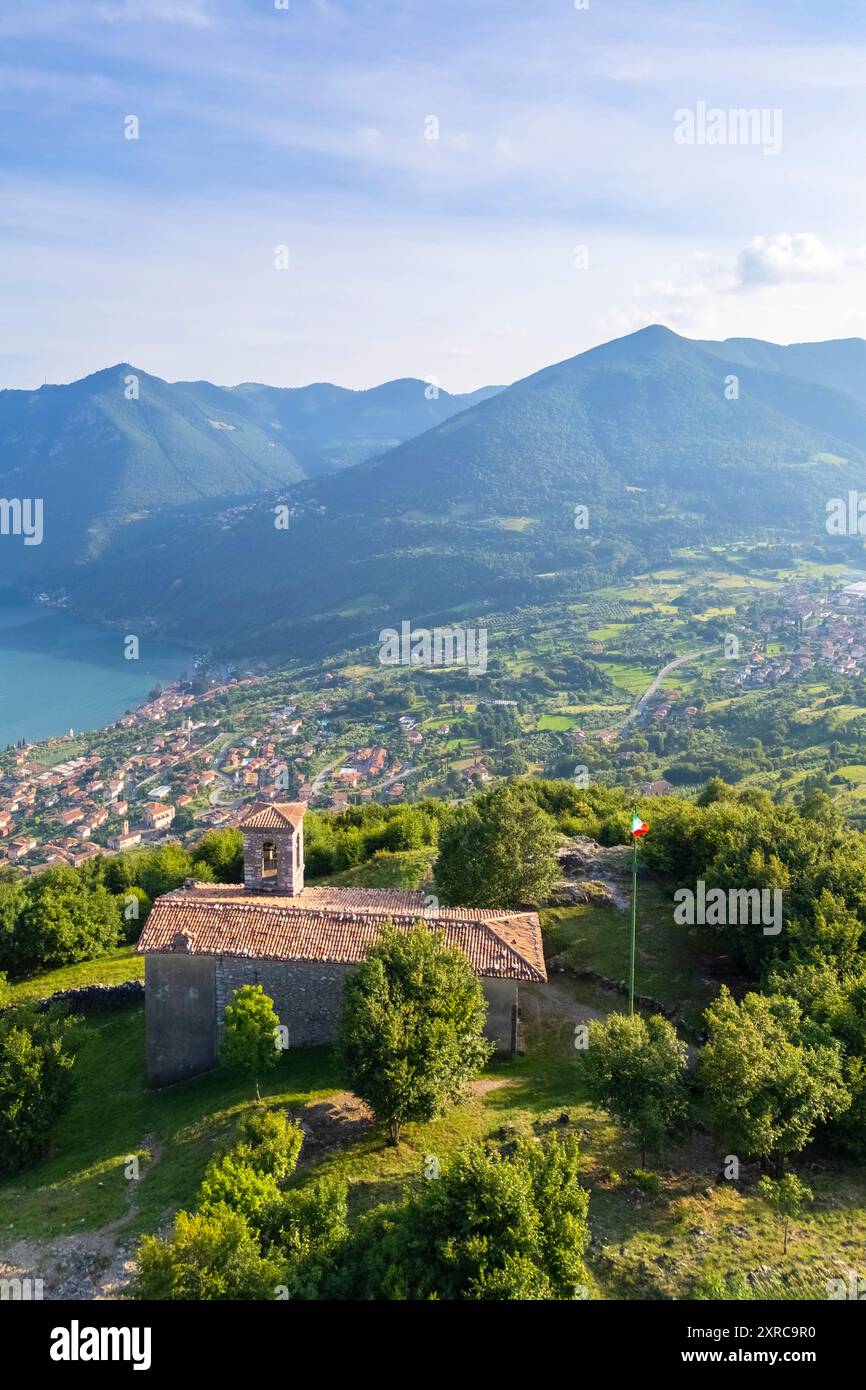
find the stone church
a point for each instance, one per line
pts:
(204, 941)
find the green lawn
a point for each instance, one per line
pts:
(557, 722)
(671, 961)
(121, 965)
(82, 1185)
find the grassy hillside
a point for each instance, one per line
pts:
(659, 1243)
(122, 964)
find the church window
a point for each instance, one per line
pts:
(269, 859)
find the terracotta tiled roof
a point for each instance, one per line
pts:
(369, 899)
(336, 925)
(274, 815)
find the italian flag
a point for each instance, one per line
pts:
(638, 826)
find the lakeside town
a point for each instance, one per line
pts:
(194, 754)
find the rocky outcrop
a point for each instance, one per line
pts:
(570, 894)
(595, 869)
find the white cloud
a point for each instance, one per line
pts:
(783, 258)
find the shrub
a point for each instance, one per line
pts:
(211, 1255)
(490, 1227)
(36, 1082)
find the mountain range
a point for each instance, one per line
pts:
(121, 445)
(666, 441)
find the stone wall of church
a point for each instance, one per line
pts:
(180, 1021)
(307, 995)
(501, 1025)
(186, 997)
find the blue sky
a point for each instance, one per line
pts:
(454, 258)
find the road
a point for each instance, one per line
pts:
(639, 706)
(322, 776)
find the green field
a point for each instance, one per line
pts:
(558, 722)
(121, 965)
(628, 676)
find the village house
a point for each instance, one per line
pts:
(21, 846)
(204, 941)
(158, 815)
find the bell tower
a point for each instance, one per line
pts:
(274, 847)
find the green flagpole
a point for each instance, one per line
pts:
(633, 919)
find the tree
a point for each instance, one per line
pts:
(498, 852)
(163, 870)
(410, 1031)
(829, 932)
(491, 1226)
(133, 906)
(786, 1197)
(635, 1068)
(404, 830)
(12, 901)
(36, 1082)
(223, 850)
(62, 921)
(714, 790)
(250, 1040)
(214, 1254)
(769, 1077)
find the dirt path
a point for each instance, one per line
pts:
(90, 1265)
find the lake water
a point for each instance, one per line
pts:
(58, 673)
